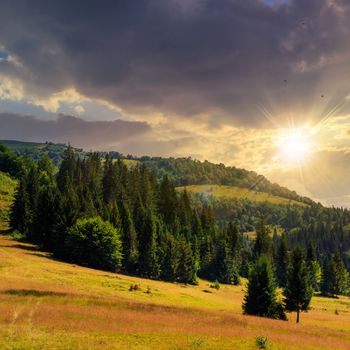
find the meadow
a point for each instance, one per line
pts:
(230, 192)
(47, 304)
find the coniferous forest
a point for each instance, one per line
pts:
(98, 211)
(96, 206)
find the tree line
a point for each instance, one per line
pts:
(297, 272)
(101, 213)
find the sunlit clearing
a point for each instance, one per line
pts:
(294, 146)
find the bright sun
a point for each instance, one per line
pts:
(294, 146)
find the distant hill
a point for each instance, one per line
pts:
(182, 171)
(186, 171)
(36, 149)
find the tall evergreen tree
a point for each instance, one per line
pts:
(146, 228)
(261, 297)
(282, 261)
(129, 240)
(263, 241)
(20, 217)
(298, 291)
(335, 276)
(341, 274)
(313, 267)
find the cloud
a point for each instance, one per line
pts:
(67, 129)
(223, 58)
(211, 79)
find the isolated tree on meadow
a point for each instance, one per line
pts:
(298, 291)
(261, 296)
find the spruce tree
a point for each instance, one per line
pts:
(261, 296)
(129, 240)
(263, 241)
(171, 258)
(337, 276)
(187, 269)
(146, 228)
(298, 291)
(326, 278)
(45, 217)
(20, 216)
(282, 261)
(313, 267)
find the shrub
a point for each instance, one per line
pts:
(134, 287)
(94, 243)
(215, 285)
(17, 236)
(261, 342)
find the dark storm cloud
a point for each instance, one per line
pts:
(69, 129)
(225, 58)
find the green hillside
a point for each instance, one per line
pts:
(233, 192)
(35, 150)
(182, 171)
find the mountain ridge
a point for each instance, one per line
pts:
(183, 171)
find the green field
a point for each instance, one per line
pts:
(7, 189)
(47, 304)
(219, 191)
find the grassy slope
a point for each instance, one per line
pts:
(239, 193)
(54, 305)
(7, 189)
(23, 145)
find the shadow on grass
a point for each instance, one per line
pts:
(5, 231)
(31, 248)
(32, 292)
(327, 296)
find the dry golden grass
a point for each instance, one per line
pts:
(46, 304)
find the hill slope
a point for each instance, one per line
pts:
(50, 304)
(182, 171)
(229, 192)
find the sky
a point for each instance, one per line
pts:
(258, 84)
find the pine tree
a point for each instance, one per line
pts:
(146, 228)
(313, 267)
(171, 260)
(282, 261)
(261, 297)
(226, 266)
(20, 217)
(129, 240)
(342, 276)
(45, 217)
(326, 278)
(187, 270)
(68, 168)
(168, 202)
(263, 241)
(298, 291)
